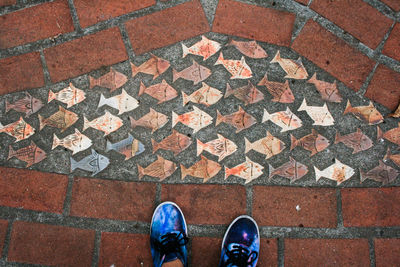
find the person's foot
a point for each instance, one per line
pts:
(168, 235)
(241, 243)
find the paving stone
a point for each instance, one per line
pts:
(35, 23)
(387, 251)
(180, 22)
(392, 45)
(276, 206)
(253, 22)
(326, 252)
(206, 251)
(7, 2)
(122, 249)
(384, 87)
(27, 72)
(268, 252)
(88, 53)
(371, 207)
(356, 17)
(50, 245)
(101, 10)
(3, 231)
(32, 190)
(304, 2)
(394, 4)
(207, 204)
(333, 55)
(112, 199)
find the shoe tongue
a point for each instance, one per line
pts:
(171, 257)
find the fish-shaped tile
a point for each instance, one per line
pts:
(176, 142)
(221, 147)
(69, 95)
(248, 170)
(162, 91)
(204, 48)
(19, 129)
(153, 120)
(382, 173)
(393, 157)
(161, 169)
(280, 92)
(129, 147)
(154, 66)
(338, 172)
(122, 102)
(76, 142)
(249, 48)
(313, 142)
(31, 154)
(395, 114)
(294, 68)
(106, 123)
(269, 145)
(249, 94)
(196, 119)
(357, 141)
(320, 115)
(111, 80)
(204, 169)
(285, 119)
(93, 163)
(206, 95)
(62, 119)
(393, 135)
(195, 73)
(329, 91)
(237, 68)
(368, 114)
(27, 105)
(240, 119)
(292, 170)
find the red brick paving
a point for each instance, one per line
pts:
(304, 2)
(206, 251)
(3, 230)
(392, 45)
(7, 2)
(268, 252)
(387, 252)
(394, 4)
(245, 21)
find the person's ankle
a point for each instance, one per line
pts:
(174, 263)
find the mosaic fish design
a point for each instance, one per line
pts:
(249, 48)
(161, 169)
(313, 142)
(393, 157)
(154, 66)
(248, 170)
(129, 147)
(338, 172)
(162, 91)
(204, 169)
(75, 142)
(329, 91)
(280, 92)
(31, 154)
(204, 48)
(69, 95)
(286, 119)
(396, 113)
(153, 120)
(195, 73)
(196, 119)
(357, 141)
(221, 147)
(206, 95)
(27, 105)
(382, 173)
(111, 80)
(176, 142)
(393, 135)
(122, 102)
(249, 94)
(93, 163)
(240, 119)
(292, 170)
(62, 119)
(269, 146)
(294, 68)
(106, 123)
(320, 115)
(237, 68)
(20, 130)
(368, 114)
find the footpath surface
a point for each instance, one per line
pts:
(109, 108)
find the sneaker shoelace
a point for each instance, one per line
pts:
(240, 256)
(171, 242)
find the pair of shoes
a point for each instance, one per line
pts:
(168, 239)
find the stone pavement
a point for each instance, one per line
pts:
(52, 214)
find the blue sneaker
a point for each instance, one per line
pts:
(168, 235)
(241, 243)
